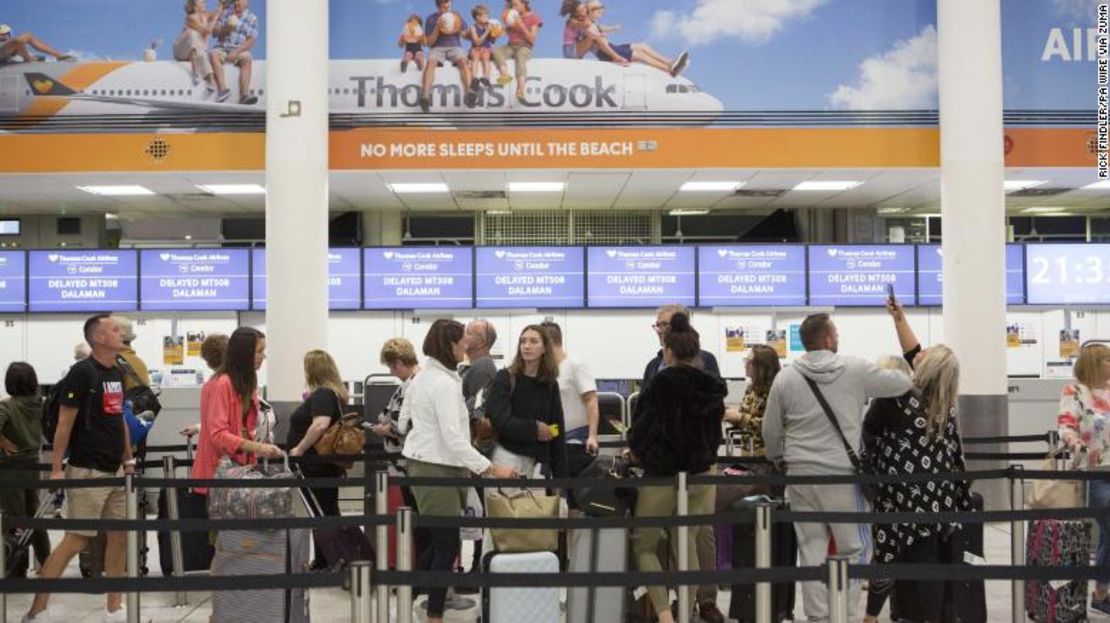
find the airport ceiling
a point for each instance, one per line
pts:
(892, 191)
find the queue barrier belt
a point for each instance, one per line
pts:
(434, 579)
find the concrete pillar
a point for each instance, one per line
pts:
(296, 191)
(973, 209)
(382, 228)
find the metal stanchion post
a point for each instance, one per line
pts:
(381, 507)
(1017, 543)
(684, 606)
(404, 563)
(173, 511)
(838, 589)
(3, 573)
(763, 561)
(360, 591)
(132, 546)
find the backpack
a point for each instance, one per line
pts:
(50, 408)
(141, 396)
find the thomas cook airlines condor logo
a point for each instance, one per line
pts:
(53, 257)
(500, 254)
(722, 252)
(164, 256)
(833, 252)
(387, 255)
(42, 87)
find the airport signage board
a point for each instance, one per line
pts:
(418, 278)
(856, 275)
(929, 275)
(530, 277)
(640, 276)
(194, 279)
(751, 275)
(83, 281)
(344, 279)
(1065, 274)
(13, 281)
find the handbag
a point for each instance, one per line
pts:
(142, 397)
(1058, 493)
(606, 501)
(524, 504)
(250, 502)
(870, 489)
(344, 437)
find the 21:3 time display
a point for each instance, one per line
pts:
(1068, 273)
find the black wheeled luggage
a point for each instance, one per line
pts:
(784, 553)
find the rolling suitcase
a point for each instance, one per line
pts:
(18, 542)
(965, 601)
(340, 546)
(784, 553)
(1057, 543)
(260, 552)
(594, 550)
(196, 550)
(513, 605)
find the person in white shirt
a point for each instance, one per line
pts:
(438, 446)
(578, 391)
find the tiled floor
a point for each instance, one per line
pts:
(333, 605)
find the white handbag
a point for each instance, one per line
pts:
(1059, 493)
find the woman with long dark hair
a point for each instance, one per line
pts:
(677, 428)
(438, 445)
(229, 408)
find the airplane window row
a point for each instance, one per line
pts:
(360, 91)
(682, 88)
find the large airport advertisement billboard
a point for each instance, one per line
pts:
(698, 72)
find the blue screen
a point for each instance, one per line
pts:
(83, 281)
(929, 276)
(1061, 274)
(514, 277)
(344, 273)
(13, 281)
(759, 275)
(194, 280)
(640, 276)
(418, 278)
(857, 274)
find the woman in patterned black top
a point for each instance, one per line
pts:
(916, 433)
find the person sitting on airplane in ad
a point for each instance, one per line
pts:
(482, 35)
(443, 30)
(21, 45)
(523, 26)
(235, 34)
(192, 44)
(577, 38)
(637, 52)
(412, 42)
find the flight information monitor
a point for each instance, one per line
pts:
(527, 277)
(194, 280)
(418, 278)
(640, 276)
(83, 281)
(344, 275)
(929, 275)
(13, 281)
(1063, 274)
(751, 275)
(845, 275)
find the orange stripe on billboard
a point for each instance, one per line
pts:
(79, 78)
(646, 148)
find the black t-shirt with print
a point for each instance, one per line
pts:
(97, 441)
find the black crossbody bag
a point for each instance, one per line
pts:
(870, 489)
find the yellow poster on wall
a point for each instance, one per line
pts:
(777, 341)
(195, 339)
(1069, 343)
(734, 339)
(173, 350)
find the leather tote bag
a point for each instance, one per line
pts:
(1058, 493)
(523, 505)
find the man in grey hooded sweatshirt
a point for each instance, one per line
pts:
(797, 431)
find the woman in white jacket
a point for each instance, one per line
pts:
(438, 445)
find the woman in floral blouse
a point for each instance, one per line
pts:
(760, 366)
(1084, 407)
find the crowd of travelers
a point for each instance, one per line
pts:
(455, 414)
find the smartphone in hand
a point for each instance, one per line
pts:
(890, 293)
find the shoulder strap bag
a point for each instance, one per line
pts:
(344, 437)
(870, 489)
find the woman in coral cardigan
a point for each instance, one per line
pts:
(229, 407)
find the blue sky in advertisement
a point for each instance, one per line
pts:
(750, 54)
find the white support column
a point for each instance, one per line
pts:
(296, 190)
(973, 208)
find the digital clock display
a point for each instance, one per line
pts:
(1063, 274)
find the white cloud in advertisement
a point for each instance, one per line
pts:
(902, 78)
(751, 21)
